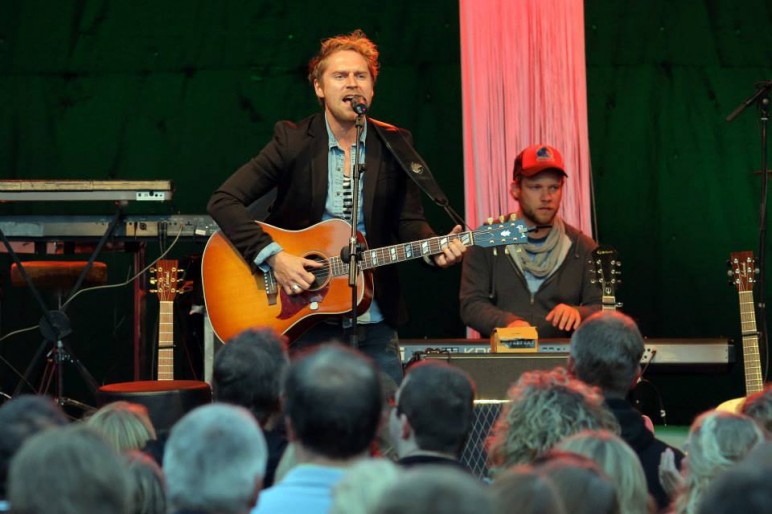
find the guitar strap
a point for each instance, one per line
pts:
(414, 166)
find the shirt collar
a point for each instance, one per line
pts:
(332, 142)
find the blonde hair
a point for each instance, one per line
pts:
(544, 407)
(363, 485)
(717, 440)
(356, 41)
(148, 484)
(126, 426)
(620, 463)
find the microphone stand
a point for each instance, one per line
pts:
(352, 254)
(761, 96)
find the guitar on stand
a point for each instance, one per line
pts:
(742, 273)
(166, 399)
(606, 266)
(165, 281)
(238, 296)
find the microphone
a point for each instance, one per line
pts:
(358, 104)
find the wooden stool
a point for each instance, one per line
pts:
(59, 276)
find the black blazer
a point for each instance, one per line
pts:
(295, 164)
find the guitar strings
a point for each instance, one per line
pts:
(325, 270)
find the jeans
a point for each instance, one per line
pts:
(379, 341)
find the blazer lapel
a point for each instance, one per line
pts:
(373, 163)
(317, 131)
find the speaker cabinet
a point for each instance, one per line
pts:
(493, 373)
(474, 455)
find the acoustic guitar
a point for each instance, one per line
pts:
(166, 399)
(240, 296)
(742, 273)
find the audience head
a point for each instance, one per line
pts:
(717, 440)
(69, 470)
(384, 444)
(147, 484)
(435, 490)
(215, 460)
(522, 490)
(743, 488)
(606, 351)
(125, 425)
(434, 408)
(362, 486)
(332, 402)
(581, 484)
(544, 407)
(21, 418)
(248, 372)
(618, 461)
(758, 407)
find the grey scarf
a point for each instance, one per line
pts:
(541, 260)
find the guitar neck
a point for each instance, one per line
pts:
(373, 258)
(751, 358)
(165, 368)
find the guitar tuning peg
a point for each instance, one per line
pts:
(153, 281)
(502, 218)
(153, 290)
(513, 216)
(489, 221)
(153, 270)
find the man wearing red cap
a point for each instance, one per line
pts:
(545, 282)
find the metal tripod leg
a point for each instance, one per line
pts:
(57, 358)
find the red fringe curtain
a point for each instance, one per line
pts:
(523, 82)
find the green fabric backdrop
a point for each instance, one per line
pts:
(188, 90)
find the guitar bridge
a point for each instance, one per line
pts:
(270, 285)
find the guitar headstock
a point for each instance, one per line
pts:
(501, 231)
(606, 266)
(165, 280)
(742, 270)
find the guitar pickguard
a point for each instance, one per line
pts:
(292, 305)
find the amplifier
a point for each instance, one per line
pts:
(493, 373)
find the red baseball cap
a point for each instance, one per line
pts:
(537, 158)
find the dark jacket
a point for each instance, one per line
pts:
(494, 291)
(295, 164)
(648, 448)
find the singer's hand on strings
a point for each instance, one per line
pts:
(292, 272)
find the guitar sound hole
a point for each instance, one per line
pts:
(322, 274)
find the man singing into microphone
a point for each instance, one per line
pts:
(310, 164)
(544, 283)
